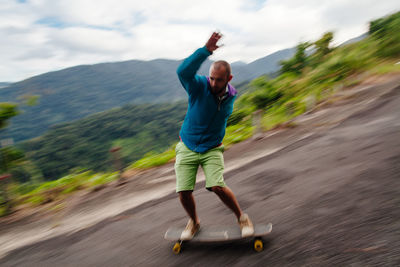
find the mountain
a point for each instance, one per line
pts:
(3, 84)
(238, 63)
(265, 65)
(355, 39)
(77, 92)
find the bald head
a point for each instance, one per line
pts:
(222, 65)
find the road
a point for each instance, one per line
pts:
(330, 186)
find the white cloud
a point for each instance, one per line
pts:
(44, 35)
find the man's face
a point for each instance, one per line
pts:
(218, 79)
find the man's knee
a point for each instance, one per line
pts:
(217, 189)
(185, 194)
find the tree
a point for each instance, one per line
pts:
(322, 47)
(7, 111)
(385, 31)
(297, 63)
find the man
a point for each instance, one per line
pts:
(210, 104)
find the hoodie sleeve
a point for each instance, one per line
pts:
(189, 67)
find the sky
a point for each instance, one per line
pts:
(38, 36)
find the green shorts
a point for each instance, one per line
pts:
(187, 163)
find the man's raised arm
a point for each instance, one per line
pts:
(189, 67)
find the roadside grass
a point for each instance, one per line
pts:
(38, 194)
(3, 210)
(152, 159)
(237, 133)
(386, 68)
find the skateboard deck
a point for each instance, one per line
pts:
(218, 233)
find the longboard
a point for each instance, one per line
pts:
(218, 233)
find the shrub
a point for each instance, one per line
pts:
(237, 133)
(237, 116)
(152, 160)
(386, 32)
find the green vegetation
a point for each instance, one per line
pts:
(8, 157)
(13, 163)
(58, 189)
(386, 68)
(7, 111)
(310, 77)
(237, 133)
(152, 159)
(86, 143)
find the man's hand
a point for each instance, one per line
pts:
(211, 44)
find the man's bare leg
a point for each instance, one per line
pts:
(227, 196)
(188, 203)
(229, 199)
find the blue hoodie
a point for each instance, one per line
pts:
(206, 117)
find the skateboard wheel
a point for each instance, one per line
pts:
(258, 245)
(177, 248)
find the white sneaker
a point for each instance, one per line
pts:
(246, 226)
(190, 231)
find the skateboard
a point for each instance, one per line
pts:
(218, 233)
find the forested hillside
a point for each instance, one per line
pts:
(85, 144)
